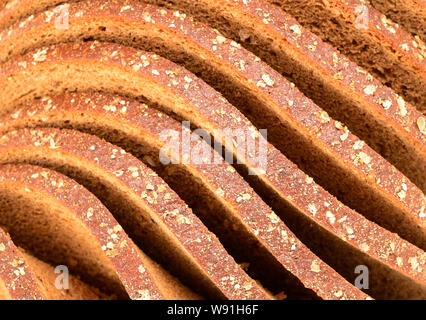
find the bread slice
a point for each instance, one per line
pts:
(324, 223)
(396, 203)
(373, 112)
(46, 214)
(368, 38)
(411, 14)
(347, 92)
(145, 206)
(17, 281)
(64, 224)
(312, 140)
(213, 189)
(401, 67)
(27, 277)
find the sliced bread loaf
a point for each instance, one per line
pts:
(300, 129)
(366, 36)
(26, 277)
(144, 205)
(319, 219)
(138, 275)
(62, 223)
(398, 58)
(217, 194)
(397, 204)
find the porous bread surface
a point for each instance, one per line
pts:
(84, 152)
(318, 70)
(96, 112)
(233, 21)
(3, 4)
(367, 37)
(119, 251)
(46, 276)
(19, 281)
(26, 277)
(411, 14)
(320, 132)
(343, 223)
(160, 80)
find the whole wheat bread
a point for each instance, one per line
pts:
(150, 212)
(216, 193)
(306, 134)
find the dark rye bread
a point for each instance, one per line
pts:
(398, 58)
(149, 211)
(62, 223)
(234, 72)
(411, 14)
(345, 90)
(17, 281)
(314, 215)
(121, 69)
(27, 278)
(379, 45)
(412, 260)
(213, 189)
(306, 134)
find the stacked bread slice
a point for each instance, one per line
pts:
(95, 91)
(24, 277)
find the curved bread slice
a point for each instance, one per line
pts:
(400, 205)
(3, 4)
(191, 99)
(319, 70)
(387, 256)
(367, 37)
(60, 219)
(411, 14)
(35, 202)
(346, 91)
(306, 134)
(399, 56)
(210, 186)
(349, 93)
(144, 205)
(26, 277)
(17, 281)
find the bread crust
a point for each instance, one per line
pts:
(94, 109)
(184, 227)
(411, 14)
(17, 277)
(282, 184)
(346, 154)
(277, 164)
(123, 255)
